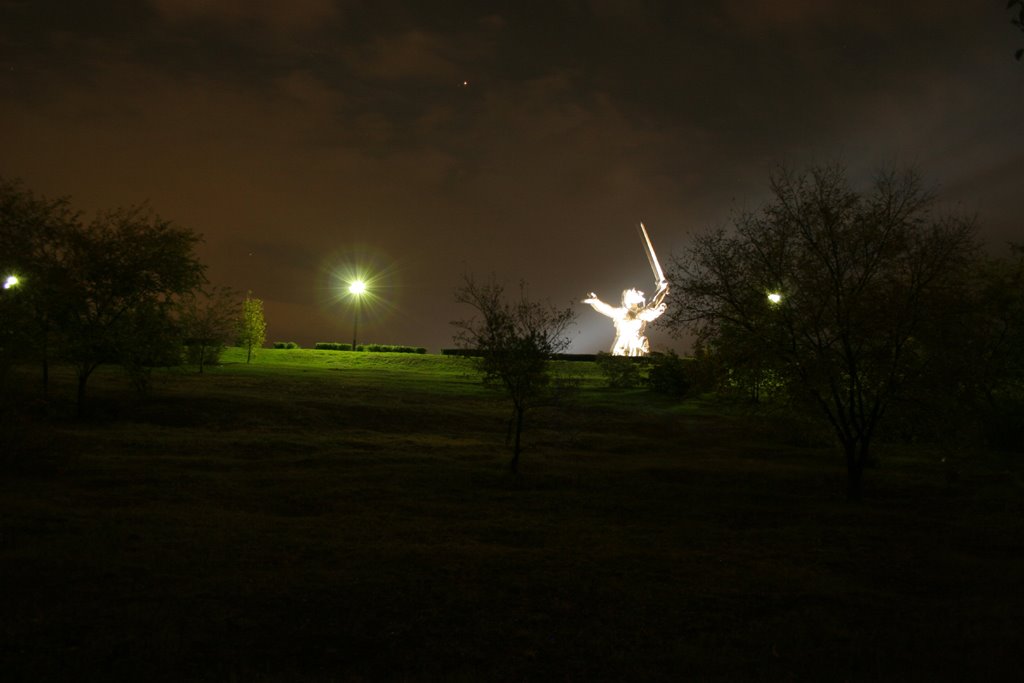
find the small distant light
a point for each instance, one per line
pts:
(465, 83)
(11, 281)
(775, 297)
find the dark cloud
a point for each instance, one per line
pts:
(276, 17)
(520, 139)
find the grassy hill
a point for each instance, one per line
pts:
(329, 516)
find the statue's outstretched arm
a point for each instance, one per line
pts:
(600, 306)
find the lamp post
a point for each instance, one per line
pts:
(356, 289)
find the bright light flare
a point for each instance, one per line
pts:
(362, 277)
(11, 281)
(775, 297)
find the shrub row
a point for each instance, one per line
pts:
(372, 348)
(582, 357)
(332, 346)
(286, 345)
(394, 348)
(458, 352)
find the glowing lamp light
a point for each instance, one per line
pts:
(11, 281)
(775, 297)
(356, 288)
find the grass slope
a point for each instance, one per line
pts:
(329, 516)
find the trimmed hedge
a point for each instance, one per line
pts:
(459, 352)
(393, 348)
(371, 348)
(332, 346)
(583, 357)
(286, 345)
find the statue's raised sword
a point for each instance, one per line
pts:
(652, 258)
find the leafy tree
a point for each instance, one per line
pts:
(34, 242)
(102, 292)
(128, 269)
(253, 331)
(620, 372)
(972, 354)
(12, 306)
(981, 350)
(669, 374)
(858, 276)
(513, 340)
(745, 365)
(209, 320)
(1017, 6)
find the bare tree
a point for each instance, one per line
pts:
(513, 341)
(209, 319)
(832, 287)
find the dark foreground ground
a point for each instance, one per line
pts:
(351, 524)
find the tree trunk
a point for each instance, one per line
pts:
(514, 465)
(854, 470)
(248, 355)
(83, 377)
(46, 365)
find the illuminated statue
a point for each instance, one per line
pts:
(631, 318)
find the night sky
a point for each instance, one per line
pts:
(422, 140)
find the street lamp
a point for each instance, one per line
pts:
(775, 297)
(356, 289)
(11, 281)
